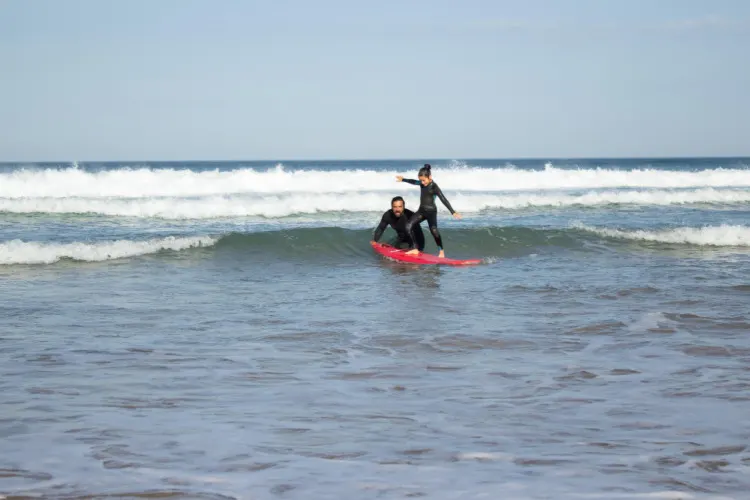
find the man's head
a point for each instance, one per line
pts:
(397, 205)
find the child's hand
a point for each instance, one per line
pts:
(457, 215)
(399, 178)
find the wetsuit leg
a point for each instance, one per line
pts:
(419, 238)
(414, 219)
(400, 244)
(432, 222)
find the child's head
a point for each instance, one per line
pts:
(425, 174)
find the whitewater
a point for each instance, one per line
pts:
(21, 252)
(180, 193)
(132, 182)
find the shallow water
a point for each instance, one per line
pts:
(575, 363)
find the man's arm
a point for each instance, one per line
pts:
(381, 227)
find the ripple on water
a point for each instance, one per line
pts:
(154, 494)
(603, 328)
(23, 475)
(718, 451)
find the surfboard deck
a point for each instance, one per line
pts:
(394, 253)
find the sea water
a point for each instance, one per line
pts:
(224, 330)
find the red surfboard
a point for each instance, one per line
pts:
(394, 253)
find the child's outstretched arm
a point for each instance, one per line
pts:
(439, 193)
(410, 181)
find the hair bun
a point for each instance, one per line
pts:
(425, 170)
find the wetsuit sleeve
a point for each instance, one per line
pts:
(381, 227)
(442, 197)
(411, 181)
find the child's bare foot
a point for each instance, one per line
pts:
(442, 254)
(413, 251)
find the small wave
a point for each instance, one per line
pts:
(716, 236)
(23, 252)
(340, 244)
(316, 243)
(488, 243)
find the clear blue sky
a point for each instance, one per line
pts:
(285, 79)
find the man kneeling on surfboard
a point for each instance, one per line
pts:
(397, 217)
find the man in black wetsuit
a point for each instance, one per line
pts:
(397, 217)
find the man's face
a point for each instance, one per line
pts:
(397, 207)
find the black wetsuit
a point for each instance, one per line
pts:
(399, 225)
(428, 209)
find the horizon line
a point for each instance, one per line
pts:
(375, 159)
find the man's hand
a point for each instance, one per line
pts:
(399, 178)
(457, 215)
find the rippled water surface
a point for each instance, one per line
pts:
(582, 360)
(219, 377)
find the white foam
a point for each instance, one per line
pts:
(654, 495)
(23, 252)
(660, 495)
(719, 236)
(312, 203)
(148, 182)
(484, 456)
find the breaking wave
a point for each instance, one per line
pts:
(244, 192)
(30, 252)
(149, 182)
(270, 206)
(711, 236)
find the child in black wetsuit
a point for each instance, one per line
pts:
(427, 207)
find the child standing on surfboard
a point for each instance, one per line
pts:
(427, 207)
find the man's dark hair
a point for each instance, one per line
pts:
(397, 198)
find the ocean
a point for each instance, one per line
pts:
(224, 330)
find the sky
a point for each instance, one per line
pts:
(341, 79)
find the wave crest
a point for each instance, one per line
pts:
(29, 252)
(714, 236)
